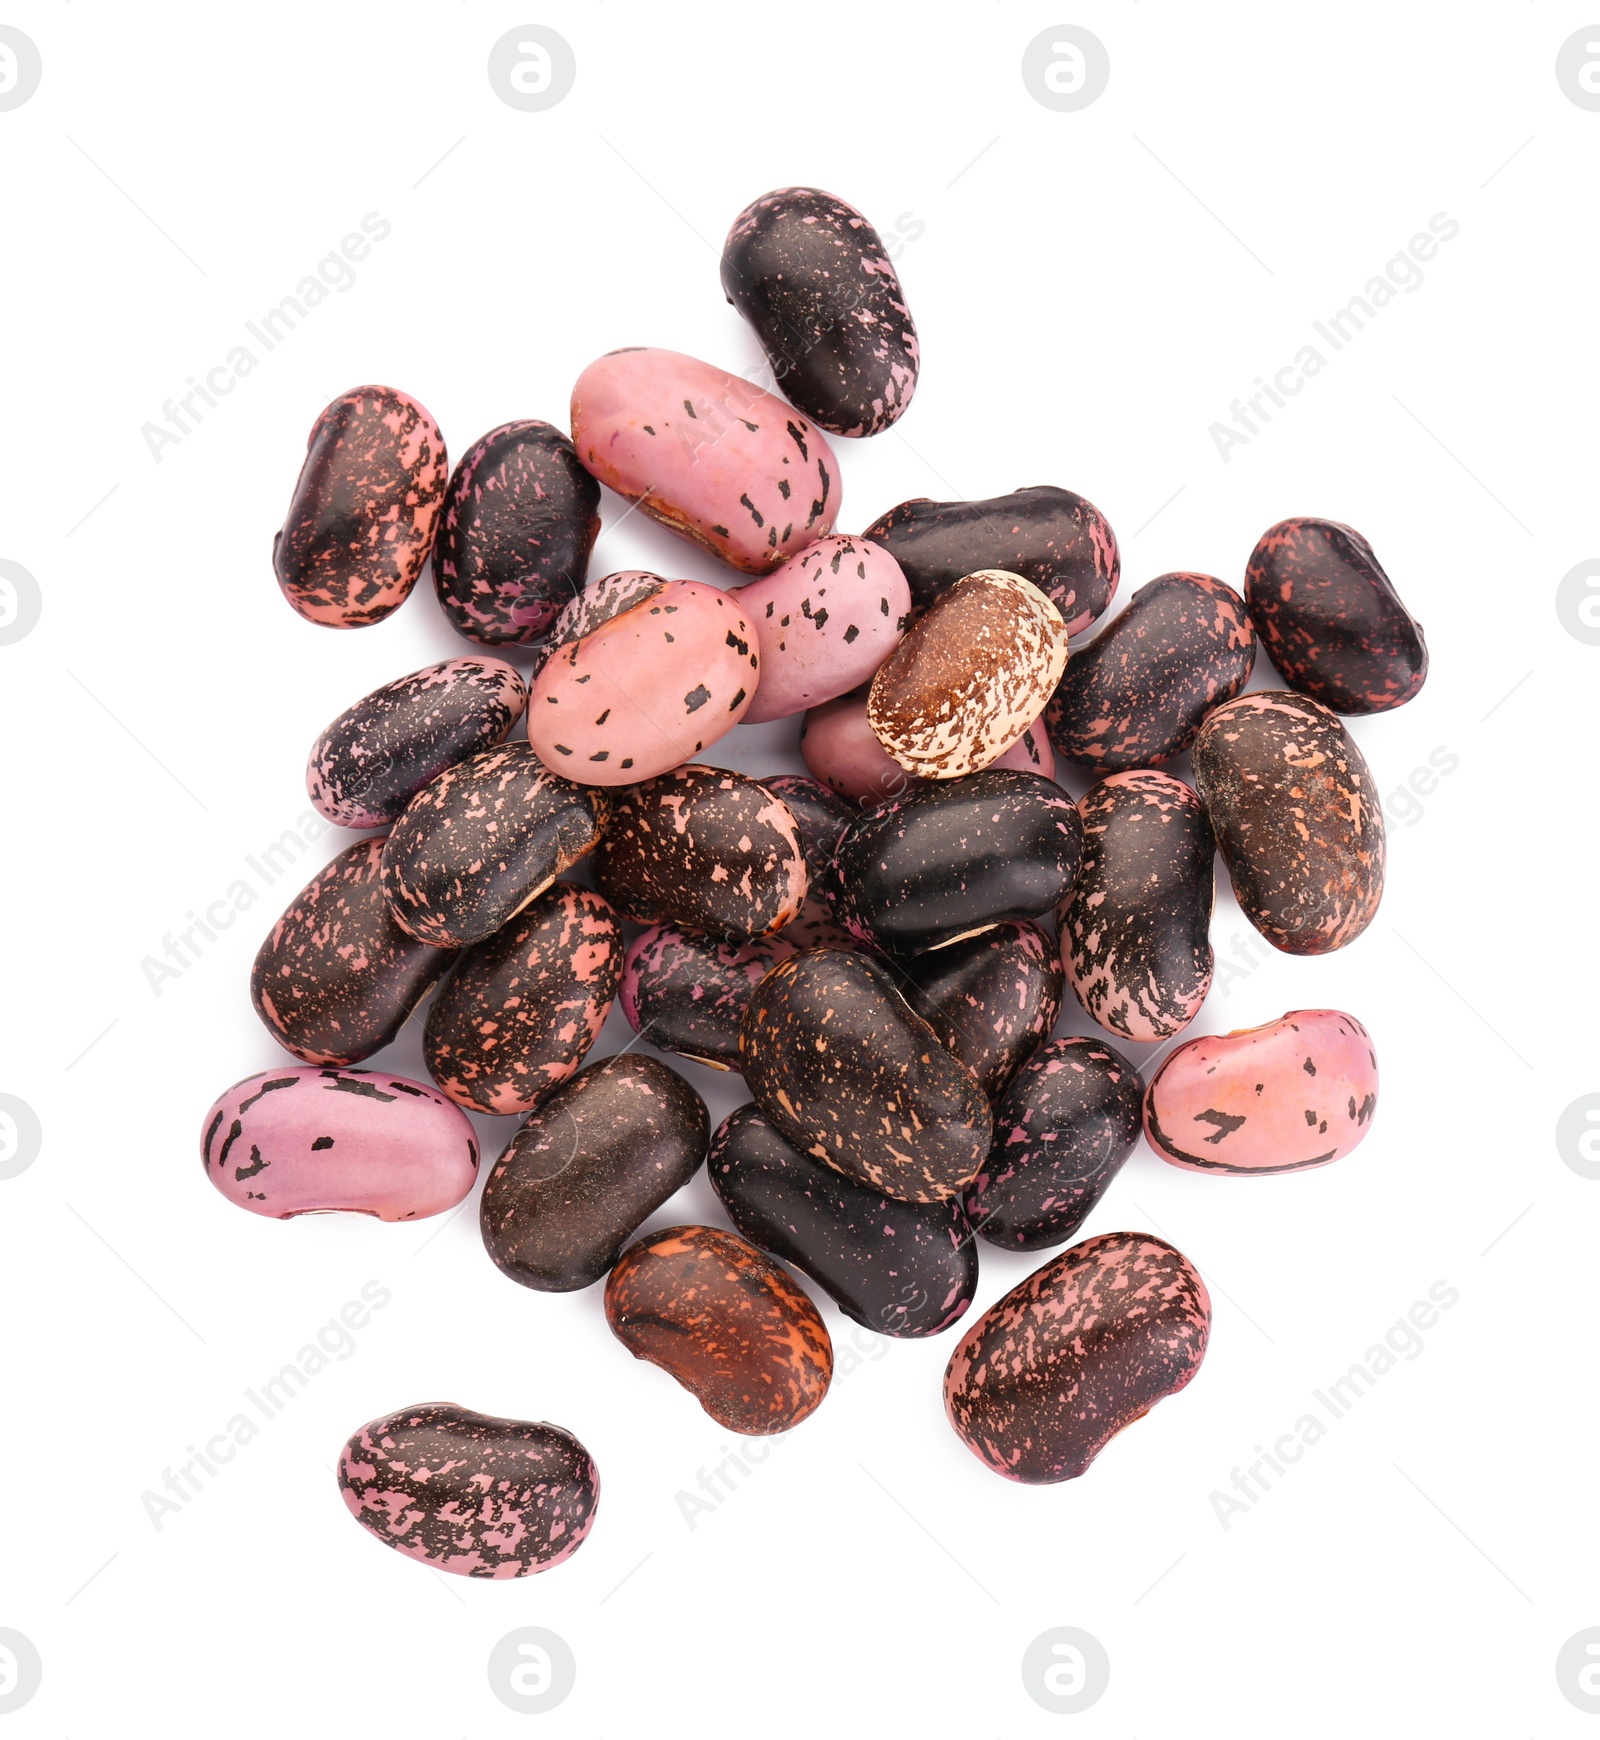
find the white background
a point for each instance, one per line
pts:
(1092, 291)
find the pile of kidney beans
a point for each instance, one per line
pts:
(867, 947)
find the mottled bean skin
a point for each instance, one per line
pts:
(519, 1013)
(711, 456)
(1136, 695)
(840, 747)
(822, 817)
(1331, 620)
(992, 999)
(811, 276)
(361, 520)
(852, 1075)
(469, 1493)
(825, 620)
(1295, 1093)
(724, 1320)
(481, 841)
(970, 677)
(956, 857)
(519, 519)
(588, 1168)
(687, 992)
(1136, 929)
(304, 1140)
(1297, 819)
(1088, 1344)
(1062, 1131)
(336, 977)
(904, 1269)
(706, 848)
(648, 685)
(377, 755)
(1050, 536)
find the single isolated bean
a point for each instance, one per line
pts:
(724, 1320)
(522, 1008)
(336, 977)
(1088, 1344)
(306, 1140)
(902, 1268)
(853, 1076)
(361, 521)
(585, 1171)
(812, 278)
(1294, 1093)
(377, 755)
(470, 1493)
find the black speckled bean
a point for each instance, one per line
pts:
(336, 977)
(706, 848)
(1135, 696)
(521, 1010)
(904, 1269)
(1331, 620)
(956, 857)
(520, 517)
(811, 276)
(469, 1493)
(853, 1076)
(482, 840)
(1062, 1131)
(1135, 931)
(687, 992)
(1050, 536)
(992, 999)
(585, 1170)
(377, 755)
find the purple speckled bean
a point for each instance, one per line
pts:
(711, 456)
(306, 1140)
(361, 521)
(469, 1493)
(687, 992)
(377, 755)
(520, 517)
(1088, 1344)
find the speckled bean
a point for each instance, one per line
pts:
(361, 520)
(687, 992)
(1295, 1093)
(519, 1013)
(724, 1320)
(377, 755)
(904, 1269)
(469, 1493)
(708, 454)
(1088, 1344)
(305, 1140)
(519, 518)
